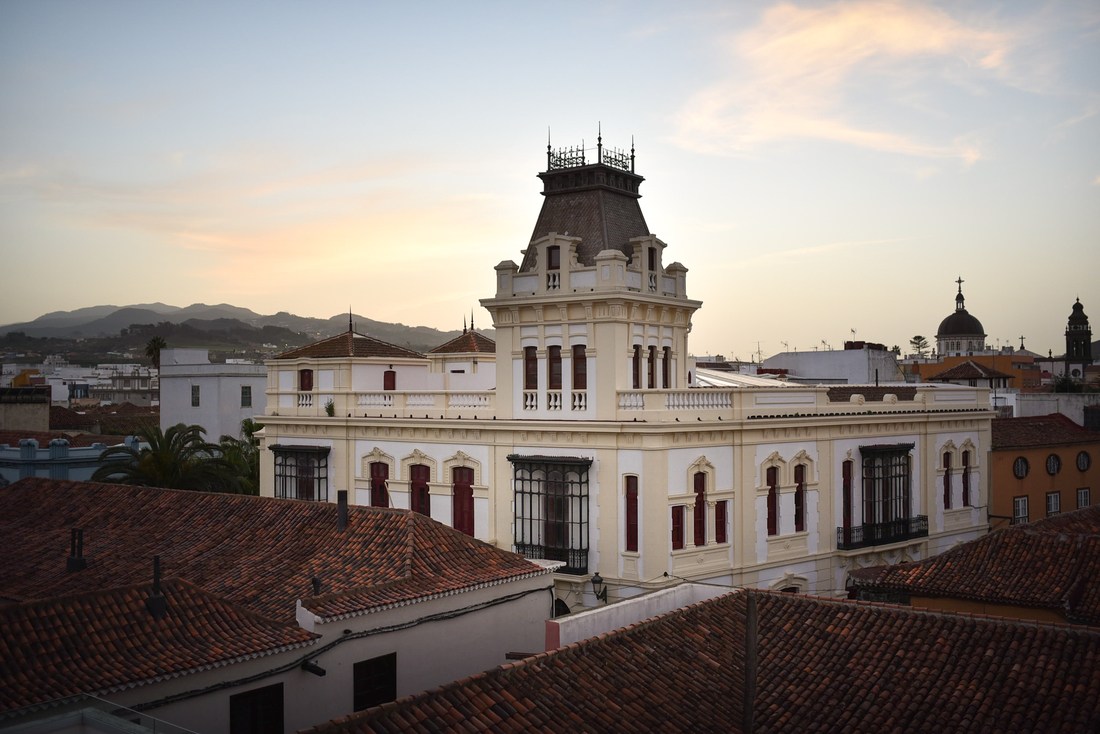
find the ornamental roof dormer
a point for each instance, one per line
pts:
(595, 201)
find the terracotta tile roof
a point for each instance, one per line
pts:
(256, 551)
(105, 641)
(1037, 431)
(824, 666)
(1051, 564)
(469, 342)
(871, 393)
(349, 344)
(62, 417)
(969, 370)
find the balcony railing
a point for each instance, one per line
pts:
(882, 533)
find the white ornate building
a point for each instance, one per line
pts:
(594, 446)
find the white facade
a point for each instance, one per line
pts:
(595, 447)
(856, 366)
(194, 391)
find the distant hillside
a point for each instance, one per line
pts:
(222, 327)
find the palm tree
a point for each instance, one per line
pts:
(243, 454)
(178, 458)
(152, 350)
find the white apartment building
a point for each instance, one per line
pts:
(216, 396)
(596, 446)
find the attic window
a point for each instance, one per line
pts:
(553, 257)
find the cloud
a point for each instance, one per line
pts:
(823, 73)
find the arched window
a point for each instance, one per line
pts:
(389, 380)
(530, 369)
(379, 495)
(463, 491)
(420, 501)
(773, 500)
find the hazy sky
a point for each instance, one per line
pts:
(818, 167)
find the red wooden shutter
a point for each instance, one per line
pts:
(677, 527)
(463, 499)
(700, 515)
(379, 473)
(632, 514)
(773, 501)
(721, 521)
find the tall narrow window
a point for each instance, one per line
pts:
(305, 380)
(530, 369)
(651, 373)
(379, 494)
(389, 380)
(463, 489)
(700, 514)
(1054, 503)
(553, 257)
(966, 478)
(1019, 510)
(666, 368)
(947, 480)
(846, 501)
(721, 521)
(637, 367)
(551, 509)
(632, 513)
(246, 396)
(553, 376)
(194, 396)
(773, 501)
(800, 498)
(677, 527)
(652, 259)
(418, 485)
(580, 367)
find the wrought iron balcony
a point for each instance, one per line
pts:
(576, 559)
(882, 533)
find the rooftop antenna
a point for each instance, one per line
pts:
(632, 154)
(785, 347)
(549, 154)
(599, 142)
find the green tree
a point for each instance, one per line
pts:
(243, 454)
(919, 345)
(178, 458)
(152, 350)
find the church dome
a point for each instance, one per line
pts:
(961, 322)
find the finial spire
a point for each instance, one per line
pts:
(471, 319)
(599, 142)
(463, 324)
(351, 326)
(960, 281)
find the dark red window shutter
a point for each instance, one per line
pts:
(530, 369)
(379, 473)
(966, 479)
(389, 380)
(305, 380)
(580, 367)
(421, 498)
(553, 257)
(721, 521)
(773, 501)
(553, 376)
(677, 527)
(700, 514)
(651, 372)
(800, 498)
(846, 500)
(947, 481)
(666, 368)
(637, 367)
(632, 513)
(463, 478)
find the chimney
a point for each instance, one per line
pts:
(156, 604)
(342, 509)
(76, 560)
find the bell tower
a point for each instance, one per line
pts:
(593, 314)
(1078, 342)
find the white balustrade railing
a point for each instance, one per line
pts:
(469, 400)
(580, 400)
(553, 281)
(374, 400)
(530, 400)
(698, 400)
(553, 399)
(305, 400)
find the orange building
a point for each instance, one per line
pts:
(1019, 365)
(1041, 466)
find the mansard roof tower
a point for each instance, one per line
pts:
(593, 308)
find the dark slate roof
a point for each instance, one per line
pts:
(1050, 564)
(76, 440)
(1055, 429)
(106, 640)
(349, 344)
(62, 417)
(824, 666)
(469, 342)
(258, 552)
(597, 203)
(960, 323)
(969, 370)
(871, 393)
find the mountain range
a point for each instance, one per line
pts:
(108, 321)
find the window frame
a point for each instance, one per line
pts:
(553, 367)
(462, 499)
(678, 540)
(246, 396)
(1021, 467)
(196, 396)
(305, 380)
(530, 368)
(966, 498)
(1087, 495)
(800, 498)
(301, 472)
(699, 511)
(1083, 461)
(258, 711)
(379, 477)
(366, 688)
(1020, 502)
(772, 475)
(420, 494)
(1053, 464)
(580, 367)
(1054, 503)
(947, 480)
(630, 510)
(551, 509)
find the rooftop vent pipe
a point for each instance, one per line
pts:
(156, 604)
(76, 560)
